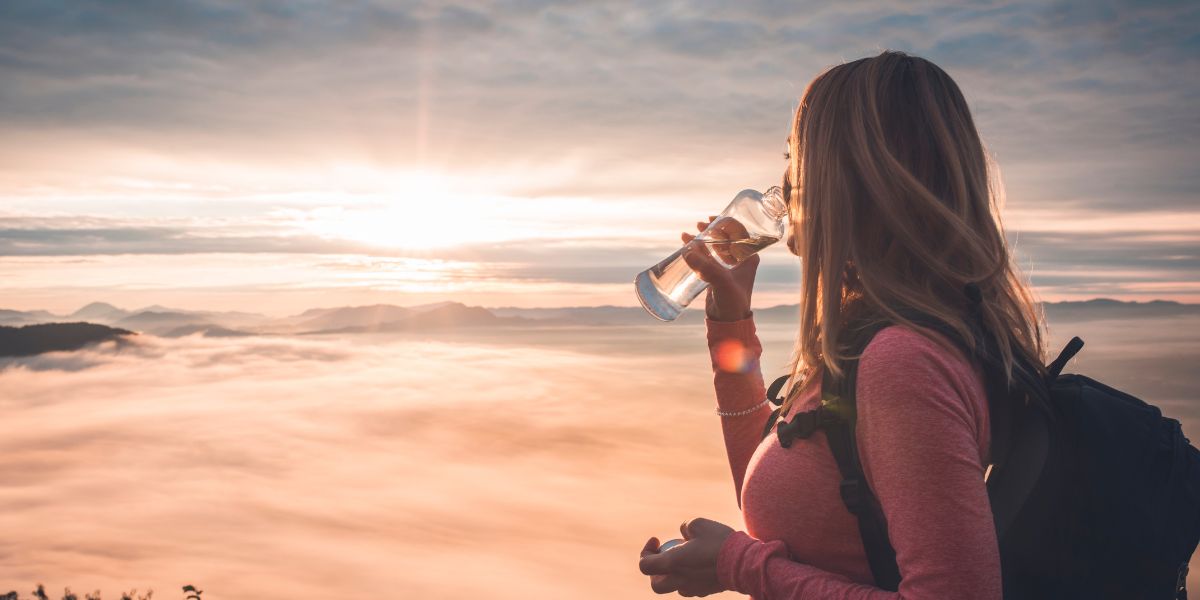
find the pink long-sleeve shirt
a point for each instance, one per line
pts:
(923, 438)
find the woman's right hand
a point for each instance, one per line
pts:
(729, 290)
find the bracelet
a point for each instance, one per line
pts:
(742, 413)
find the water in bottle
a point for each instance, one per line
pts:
(751, 222)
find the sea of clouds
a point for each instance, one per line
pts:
(504, 466)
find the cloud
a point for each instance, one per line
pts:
(276, 467)
(564, 72)
(1106, 262)
(235, 107)
(84, 241)
(1134, 250)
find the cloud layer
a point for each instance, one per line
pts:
(275, 467)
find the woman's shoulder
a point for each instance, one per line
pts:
(921, 379)
(910, 349)
(900, 357)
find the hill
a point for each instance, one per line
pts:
(102, 312)
(1106, 308)
(160, 322)
(167, 322)
(447, 315)
(54, 337)
(204, 329)
(16, 318)
(350, 317)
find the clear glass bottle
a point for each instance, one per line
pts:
(751, 222)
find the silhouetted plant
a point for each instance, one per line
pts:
(40, 594)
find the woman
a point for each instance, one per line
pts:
(892, 210)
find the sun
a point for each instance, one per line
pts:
(410, 210)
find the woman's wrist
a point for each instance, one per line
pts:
(729, 559)
(732, 317)
(717, 308)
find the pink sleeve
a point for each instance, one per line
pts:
(922, 414)
(735, 351)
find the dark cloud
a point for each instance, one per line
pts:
(160, 240)
(1134, 250)
(1101, 261)
(1069, 258)
(1085, 97)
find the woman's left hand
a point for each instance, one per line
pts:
(690, 568)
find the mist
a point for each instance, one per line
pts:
(503, 465)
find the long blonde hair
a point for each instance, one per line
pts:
(895, 206)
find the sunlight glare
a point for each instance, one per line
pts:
(412, 210)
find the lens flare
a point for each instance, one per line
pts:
(732, 357)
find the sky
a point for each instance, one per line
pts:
(279, 156)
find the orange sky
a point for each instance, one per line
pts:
(211, 156)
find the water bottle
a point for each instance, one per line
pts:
(751, 222)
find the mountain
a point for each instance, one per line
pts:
(387, 317)
(168, 322)
(100, 311)
(1107, 308)
(453, 314)
(350, 317)
(447, 315)
(160, 322)
(228, 319)
(19, 317)
(54, 337)
(1095, 309)
(161, 308)
(204, 329)
(580, 315)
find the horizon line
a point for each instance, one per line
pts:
(162, 308)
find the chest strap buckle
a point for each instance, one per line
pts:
(804, 424)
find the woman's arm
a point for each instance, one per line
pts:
(921, 416)
(735, 351)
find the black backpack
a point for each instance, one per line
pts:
(1094, 493)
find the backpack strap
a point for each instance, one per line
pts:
(855, 492)
(774, 397)
(1055, 368)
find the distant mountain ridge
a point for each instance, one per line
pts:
(1109, 308)
(171, 322)
(100, 311)
(1098, 308)
(156, 321)
(18, 317)
(352, 317)
(441, 316)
